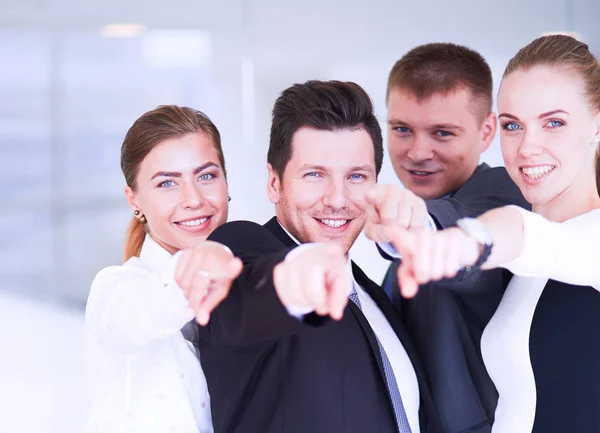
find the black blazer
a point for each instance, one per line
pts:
(446, 319)
(268, 372)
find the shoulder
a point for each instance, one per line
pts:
(490, 174)
(246, 235)
(494, 183)
(112, 276)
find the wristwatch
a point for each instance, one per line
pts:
(475, 229)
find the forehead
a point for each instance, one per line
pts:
(541, 89)
(333, 149)
(180, 153)
(453, 108)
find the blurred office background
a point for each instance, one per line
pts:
(74, 74)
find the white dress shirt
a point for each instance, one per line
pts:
(144, 377)
(404, 371)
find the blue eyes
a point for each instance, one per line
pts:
(555, 123)
(511, 126)
(166, 184)
(353, 176)
(205, 177)
(440, 133)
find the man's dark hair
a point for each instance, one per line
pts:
(321, 105)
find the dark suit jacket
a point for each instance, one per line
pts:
(268, 372)
(446, 319)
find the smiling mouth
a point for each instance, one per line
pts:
(421, 173)
(538, 171)
(193, 223)
(333, 223)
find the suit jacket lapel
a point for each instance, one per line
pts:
(274, 227)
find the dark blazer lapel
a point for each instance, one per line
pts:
(274, 227)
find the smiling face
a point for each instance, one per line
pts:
(321, 195)
(182, 191)
(548, 133)
(435, 143)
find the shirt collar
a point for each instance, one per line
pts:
(152, 254)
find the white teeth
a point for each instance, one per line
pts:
(334, 223)
(193, 222)
(538, 171)
(421, 173)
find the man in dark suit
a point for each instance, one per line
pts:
(440, 120)
(304, 341)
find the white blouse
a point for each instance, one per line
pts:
(144, 377)
(565, 252)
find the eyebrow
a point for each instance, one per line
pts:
(314, 167)
(550, 113)
(435, 126)
(448, 126)
(365, 167)
(541, 116)
(178, 174)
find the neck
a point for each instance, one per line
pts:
(570, 203)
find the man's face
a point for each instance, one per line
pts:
(435, 143)
(321, 195)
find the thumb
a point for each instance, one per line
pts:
(235, 267)
(403, 240)
(406, 279)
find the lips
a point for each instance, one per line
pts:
(537, 171)
(334, 223)
(194, 222)
(195, 225)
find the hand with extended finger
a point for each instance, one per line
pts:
(314, 277)
(391, 208)
(431, 256)
(205, 274)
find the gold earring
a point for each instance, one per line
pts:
(142, 219)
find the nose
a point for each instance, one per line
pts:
(420, 151)
(336, 196)
(192, 197)
(530, 146)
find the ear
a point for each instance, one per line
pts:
(131, 198)
(488, 131)
(273, 185)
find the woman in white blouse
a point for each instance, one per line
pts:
(541, 347)
(144, 376)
